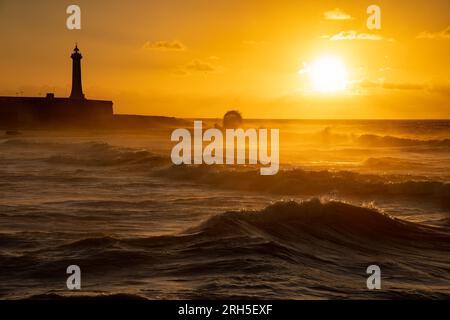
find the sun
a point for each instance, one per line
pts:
(328, 75)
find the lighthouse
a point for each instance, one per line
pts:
(77, 89)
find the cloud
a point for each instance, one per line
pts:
(354, 35)
(201, 66)
(441, 88)
(198, 66)
(163, 45)
(443, 34)
(391, 85)
(337, 14)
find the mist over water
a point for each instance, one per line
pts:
(349, 194)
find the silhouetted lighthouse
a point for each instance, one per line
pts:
(77, 89)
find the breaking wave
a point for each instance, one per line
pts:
(312, 242)
(314, 183)
(316, 218)
(391, 141)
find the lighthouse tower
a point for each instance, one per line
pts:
(77, 89)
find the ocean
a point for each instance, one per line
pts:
(349, 194)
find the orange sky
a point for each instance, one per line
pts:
(199, 58)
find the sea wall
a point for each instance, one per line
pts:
(31, 112)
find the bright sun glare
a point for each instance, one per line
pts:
(328, 74)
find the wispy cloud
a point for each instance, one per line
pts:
(441, 88)
(354, 35)
(199, 66)
(443, 34)
(164, 45)
(392, 85)
(337, 14)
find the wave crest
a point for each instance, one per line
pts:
(314, 183)
(315, 218)
(391, 141)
